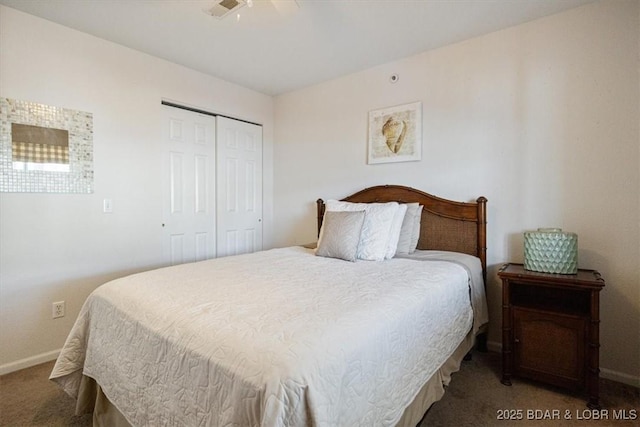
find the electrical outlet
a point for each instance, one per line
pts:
(57, 309)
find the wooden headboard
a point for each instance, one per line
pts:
(445, 225)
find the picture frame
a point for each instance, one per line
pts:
(395, 134)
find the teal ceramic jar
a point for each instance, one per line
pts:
(551, 250)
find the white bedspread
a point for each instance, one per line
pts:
(275, 338)
(474, 268)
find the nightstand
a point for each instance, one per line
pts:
(550, 328)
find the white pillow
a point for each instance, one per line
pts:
(340, 235)
(376, 227)
(406, 231)
(415, 233)
(394, 233)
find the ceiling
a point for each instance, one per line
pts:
(274, 52)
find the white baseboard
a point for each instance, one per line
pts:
(609, 374)
(29, 362)
(620, 377)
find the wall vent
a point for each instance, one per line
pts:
(224, 7)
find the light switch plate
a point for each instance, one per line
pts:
(107, 206)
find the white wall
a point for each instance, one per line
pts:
(541, 118)
(60, 247)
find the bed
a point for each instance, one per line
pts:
(285, 337)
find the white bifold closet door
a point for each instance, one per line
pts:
(239, 186)
(212, 186)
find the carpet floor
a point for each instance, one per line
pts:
(475, 398)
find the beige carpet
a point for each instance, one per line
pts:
(28, 398)
(475, 398)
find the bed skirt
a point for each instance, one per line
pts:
(105, 414)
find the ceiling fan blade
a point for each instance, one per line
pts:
(285, 7)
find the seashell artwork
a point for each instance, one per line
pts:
(395, 134)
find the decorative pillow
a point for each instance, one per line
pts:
(406, 231)
(375, 229)
(394, 233)
(340, 235)
(415, 233)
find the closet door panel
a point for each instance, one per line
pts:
(189, 187)
(239, 199)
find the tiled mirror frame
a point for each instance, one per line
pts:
(79, 124)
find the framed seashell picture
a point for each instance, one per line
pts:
(395, 134)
